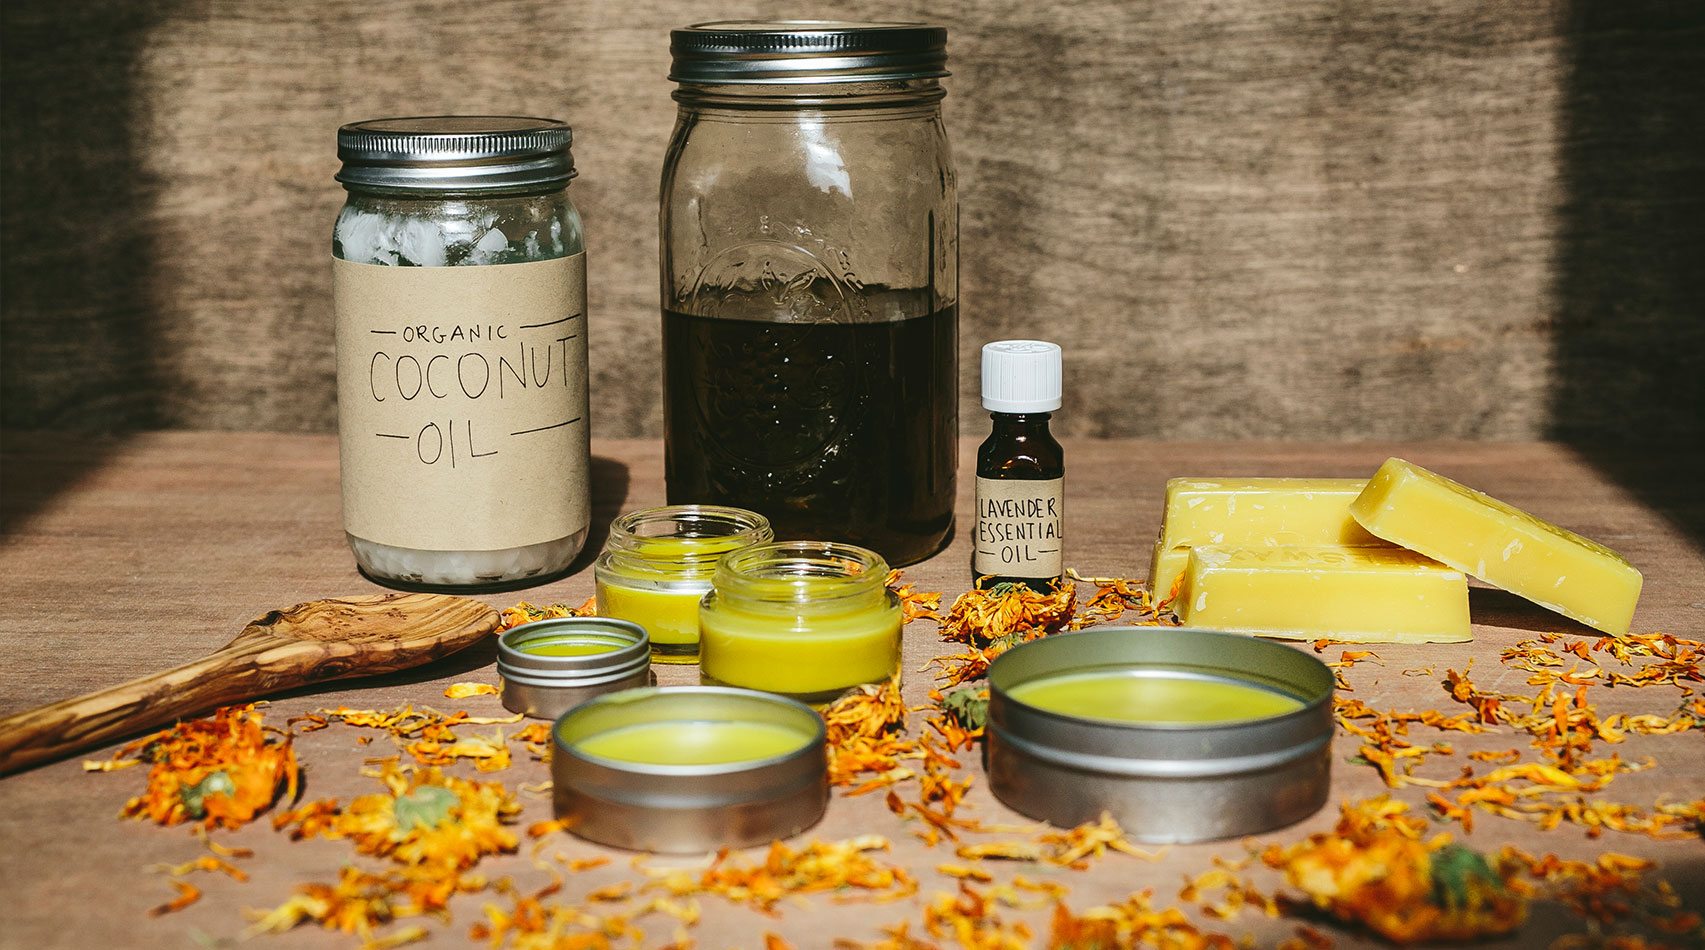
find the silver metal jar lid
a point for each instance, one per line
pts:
(686, 809)
(807, 51)
(455, 153)
(545, 686)
(1163, 782)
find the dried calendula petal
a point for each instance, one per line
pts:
(1564, 726)
(223, 770)
(865, 735)
(187, 895)
(993, 620)
(1001, 851)
(618, 891)
(206, 862)
(1091, 839)
(423, 818)
(465, 690)
(1133, 922)
(964, 873)
(1375, 870)
(489, 753)
(971, 920)
(820, 866)
(413, 933)
(524, 612)
(358, 903)
(431, 828)
(914, 604)
(1116, 596)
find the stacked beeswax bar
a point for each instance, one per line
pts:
(1371, 562)
(1252, 512)
(1379, 594)
(1500, 544)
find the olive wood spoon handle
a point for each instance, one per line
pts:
(309, 643)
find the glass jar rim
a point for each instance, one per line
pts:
(682, 539)
(801, 572)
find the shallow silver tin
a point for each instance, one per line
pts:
(545, 687)
(1162, 782)
(688, 809)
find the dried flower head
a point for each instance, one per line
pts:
(1376, 870)
(222, 771)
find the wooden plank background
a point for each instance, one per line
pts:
(1251, 218)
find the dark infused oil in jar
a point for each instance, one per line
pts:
(833, 429)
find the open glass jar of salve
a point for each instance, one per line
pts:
(459, 281)
(658, 565)
(803, 619)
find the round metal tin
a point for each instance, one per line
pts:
(544, 686)
(688, 809)
(1163, 782)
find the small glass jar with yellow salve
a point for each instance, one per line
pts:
(658, 564)
(803, 619)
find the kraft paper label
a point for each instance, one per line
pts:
(1020, 527)
(461, 398)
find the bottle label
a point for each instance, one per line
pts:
(461, 397)
(1020, 527)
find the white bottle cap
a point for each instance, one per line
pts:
(1021, 376)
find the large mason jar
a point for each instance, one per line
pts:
(459, 278)
(810, 281)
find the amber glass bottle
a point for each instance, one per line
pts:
(1020, 529)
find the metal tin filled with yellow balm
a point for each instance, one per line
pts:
(1181, 735)
(690, 769)
(658, 564)
(803, 619)
(548, 667)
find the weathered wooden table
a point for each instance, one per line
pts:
(120, 557)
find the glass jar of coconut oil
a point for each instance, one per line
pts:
(459, 279)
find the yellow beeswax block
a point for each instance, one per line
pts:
(1359, 594)
(1500, 544)
(1252, 512)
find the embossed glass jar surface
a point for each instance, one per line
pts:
(810, 281)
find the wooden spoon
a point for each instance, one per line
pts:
(310, 643)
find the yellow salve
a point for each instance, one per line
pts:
(806, 619)
(566, 647)
(659, 563)
(1143, 697)
(825, 653)
(693, 743)
(670, 616)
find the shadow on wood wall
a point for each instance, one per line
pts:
(73, 249)
(1628, 388)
